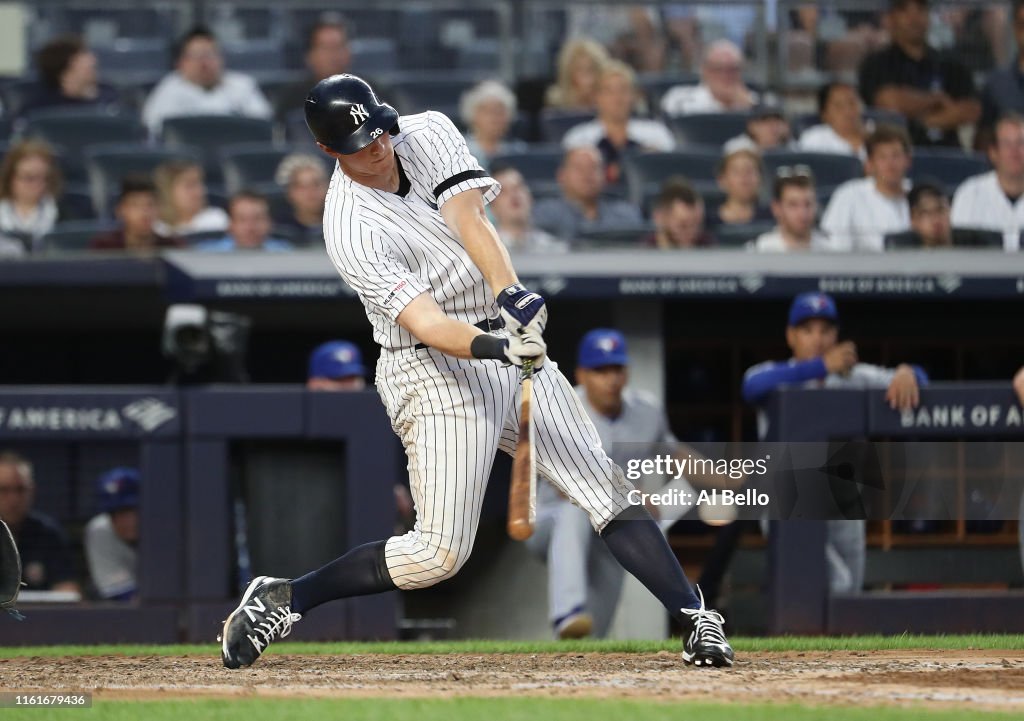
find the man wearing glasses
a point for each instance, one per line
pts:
(721, 86)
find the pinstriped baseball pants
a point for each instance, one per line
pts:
(452, 417)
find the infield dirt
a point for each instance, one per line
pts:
(962, 679)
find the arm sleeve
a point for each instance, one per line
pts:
(373, 268)
(762, 379)
(454, 169)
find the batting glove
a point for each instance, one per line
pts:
(522, 308)
(526, 345)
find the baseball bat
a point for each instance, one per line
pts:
(522, 495)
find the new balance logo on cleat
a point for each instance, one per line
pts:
(263, 615)
(704, 642)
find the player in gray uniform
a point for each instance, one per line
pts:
(406, 228)
(584, 579)
(821, 361)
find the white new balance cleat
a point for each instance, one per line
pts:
(263, 616)
(704, 642)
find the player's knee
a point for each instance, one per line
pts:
(445, 560)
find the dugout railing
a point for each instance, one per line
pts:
(799, 599)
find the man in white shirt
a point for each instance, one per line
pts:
(512, 212)
(795, 207)
(721, 87)
(862, 211)
(199, 85)
(841, 130)
(614, 131)
(995, 200)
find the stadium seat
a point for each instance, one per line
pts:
(555, 123)
(480, 54)
(108, 164)
(655, 85)
(211, 132)
(13, 93)
(737, 236)
(539, 169)
(295, 128)
(709, 129)
(252, 57)
(626, 237)
(133, 60)
(829, 169)
(431, 91)
(76, 202)
(102, 23)
(974, 239)
(74, 128)
(645, 172)
(372, 56)
(75, 235)
(273, 84)
(949, 166)
(253, 165)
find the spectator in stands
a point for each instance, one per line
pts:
(487, 110)
(305, 181)
(111, 536)
(678, 216)
(819, 360)
(136, 211)
(181, 194)
(842, 129)
(199, 85)
(1003, 92)
(795, 207)
(45, 552)
(721, 88)
(931, 225)
(767, 129)
(68, 76)
(581, 207)
(632, 33)
(579, 67)
(863, 210)
(614, 131)
(995, 200)
(336, 366)
(30, 184)
(327, 53)
(739, 177)
(512, 214)
(249, 227)
(934, 91)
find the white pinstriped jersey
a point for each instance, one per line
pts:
(391, 247)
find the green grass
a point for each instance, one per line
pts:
(496, 709)
(741, 644)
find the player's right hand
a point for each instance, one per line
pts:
(525, 345)
(842, 358)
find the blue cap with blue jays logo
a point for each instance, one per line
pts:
(336, 359)
(118, 488)
(602, 347)
(812, 305)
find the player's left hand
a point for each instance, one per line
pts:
(903, 393)
(528, 344)
(522, 308)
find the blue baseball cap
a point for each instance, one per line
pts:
(602, 347)
(336, 359)
(812, 305)
(118, 488)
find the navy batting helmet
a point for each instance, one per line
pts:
(344, 114)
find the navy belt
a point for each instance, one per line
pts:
(486, 326)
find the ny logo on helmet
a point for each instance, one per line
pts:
(358, 113)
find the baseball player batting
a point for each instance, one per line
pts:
(405, 226)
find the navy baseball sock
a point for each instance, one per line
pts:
(640, 547)
(359, 572)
